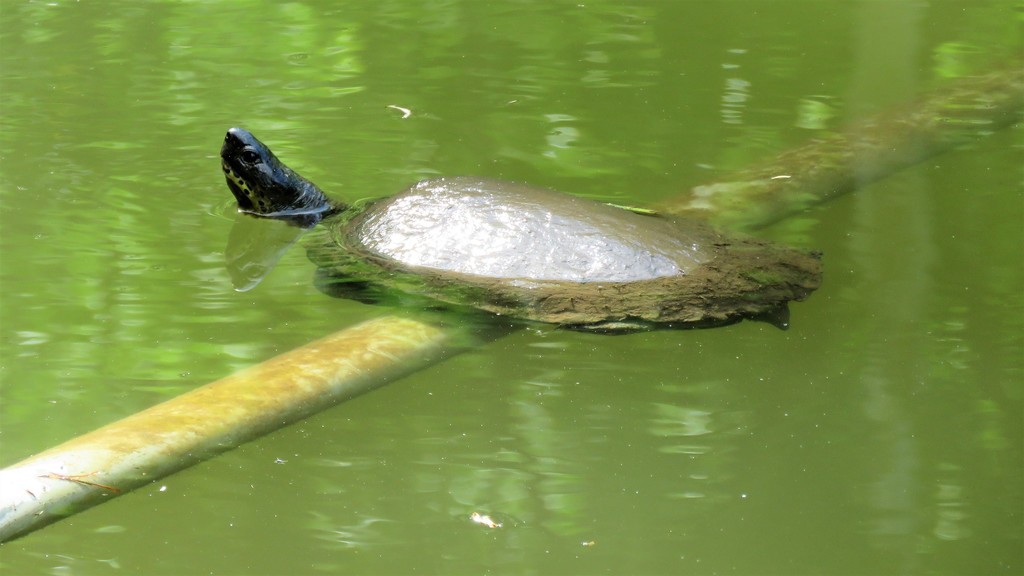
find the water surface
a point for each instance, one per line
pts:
(881, 434)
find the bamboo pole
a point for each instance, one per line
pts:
(165, 438)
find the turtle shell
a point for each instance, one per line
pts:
(543, 255)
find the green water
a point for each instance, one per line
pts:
(881, 434)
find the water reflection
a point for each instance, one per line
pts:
(889, 440)
(736, 91)
(361, 533)
(256, 244)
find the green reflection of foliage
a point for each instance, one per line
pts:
(114, 293)
(814, 113)
(951, 59)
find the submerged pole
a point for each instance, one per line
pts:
(165, 438)
(964, 111)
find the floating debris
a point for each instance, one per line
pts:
(484, 520)
(405, 111)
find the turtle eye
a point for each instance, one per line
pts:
(250, 156)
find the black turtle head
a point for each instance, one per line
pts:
(264, 186)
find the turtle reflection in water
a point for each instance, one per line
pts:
(526, 252)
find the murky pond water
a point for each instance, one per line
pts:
(881, 434)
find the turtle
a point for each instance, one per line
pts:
(525, 252)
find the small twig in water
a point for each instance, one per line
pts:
(405, 111)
